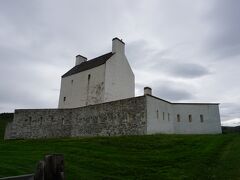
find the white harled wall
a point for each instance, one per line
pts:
(211, 119)
(119, 83)
(155, 121)
(75, 88)
(156, 124)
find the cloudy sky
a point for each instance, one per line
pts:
(187, 51)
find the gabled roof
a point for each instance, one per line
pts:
(88, 64)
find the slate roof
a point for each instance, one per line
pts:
(88, 64)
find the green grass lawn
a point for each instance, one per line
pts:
(130, 157)
(136, 157)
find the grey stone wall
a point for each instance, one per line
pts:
(123, 117)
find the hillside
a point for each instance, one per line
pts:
(228, 129)
(4, 119)
(135, 157)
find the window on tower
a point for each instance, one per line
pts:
(201, 118)
(190, 118)
(178, 118)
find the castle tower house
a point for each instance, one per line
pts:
(105, 78)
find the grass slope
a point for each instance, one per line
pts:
(135, 157)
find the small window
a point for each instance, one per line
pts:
(64, 99)
(30, 120)
(201, 118)
(190, 118)
(157, 114)
(89, 76)
(168, 117)
(72, 81)
(41, 119)
(163, 116)
(178, 118)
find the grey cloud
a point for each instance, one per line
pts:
(20, 12)
(19, 97)
(138, 53)
(231, 122)
(10, 56)
(186, 70)
(55, 28)
(25, 85)
(223, 39)
(172, 94)
(230, 110)
(143, 57)
(176, 68)
(168, 90)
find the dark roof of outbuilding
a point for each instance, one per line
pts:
(88, 64)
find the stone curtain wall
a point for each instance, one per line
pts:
(123, 117)
(39, 123)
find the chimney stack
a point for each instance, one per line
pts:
(118, 46)
(80, 59)
(147, 91)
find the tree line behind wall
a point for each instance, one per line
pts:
(4, 119)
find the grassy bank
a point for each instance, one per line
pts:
(136, 157)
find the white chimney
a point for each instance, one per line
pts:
(80, 59)
(118, 46)
(147, 91)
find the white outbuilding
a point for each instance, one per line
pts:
(181, 118)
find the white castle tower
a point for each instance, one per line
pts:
(105, 78)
